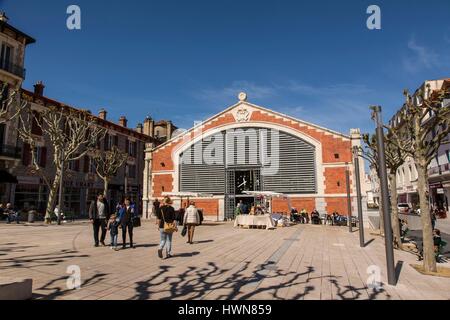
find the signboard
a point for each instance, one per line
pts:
(28, 180)
(440, 191)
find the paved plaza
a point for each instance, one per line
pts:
(298, 262)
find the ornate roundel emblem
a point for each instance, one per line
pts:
(242, 115)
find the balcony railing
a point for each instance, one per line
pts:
(10, 151)
(13, 68)
(443, 168)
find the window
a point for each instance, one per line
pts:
(6, 57)
(4, 88)
(336, 155)
(2, 133)
(35, 128)
(131, 148)
(26, 155)
(132, 171)
(74, 165)
(41, 156)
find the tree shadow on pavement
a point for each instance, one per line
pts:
(40, 260)
(57, 287)
(250, 281)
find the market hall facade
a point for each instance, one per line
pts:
(250, 148)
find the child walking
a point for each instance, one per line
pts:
(113, 227)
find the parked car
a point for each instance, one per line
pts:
(403, 208)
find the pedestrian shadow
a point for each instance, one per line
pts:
(145, 245)
(203, 241)
(186, 254)
(398, 270)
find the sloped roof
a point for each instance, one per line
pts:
(262, 109)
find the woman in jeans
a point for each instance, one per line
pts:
(191, 219)
(166, 213)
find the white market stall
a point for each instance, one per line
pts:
(269, 220)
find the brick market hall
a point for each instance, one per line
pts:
(247, 149)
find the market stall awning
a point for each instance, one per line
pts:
(6, 177)
(187, 194)
(266, 194)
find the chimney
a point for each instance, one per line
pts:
(169, 130)
(139, 128)
(39, 89)
(148, 126)
(3, 17)
(123, 121)
(102, 114)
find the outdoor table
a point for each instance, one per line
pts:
(251, 220)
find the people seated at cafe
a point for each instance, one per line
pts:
(315, 217)
(295, 217)
(304, 216)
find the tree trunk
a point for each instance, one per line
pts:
(105, 187)
(394, 210)
(52, 197)
(429, 260)
(380, 206)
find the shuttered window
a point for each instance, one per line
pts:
(202, 167)
(287, 162)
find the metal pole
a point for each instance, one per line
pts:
(126, 181)
(349, 201)
(388, 236)
(359, 197)
(61, 186)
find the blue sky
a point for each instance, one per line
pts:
(187, 60)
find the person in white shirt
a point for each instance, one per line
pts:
(191, 219)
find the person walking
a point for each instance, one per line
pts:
(126, 216)
(113, 227)
(191, 220)
(11, 214)
(156, 205)
(99, 216)
(166, 218)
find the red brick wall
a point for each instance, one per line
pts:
(338, 204)
(330, 144)
(210, 206)
(332, 177)
(303, 203)
(160, 181)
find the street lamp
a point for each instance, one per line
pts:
(358, 196)
(349, 200)
(388, 237)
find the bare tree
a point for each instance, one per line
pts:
(72, 133)
(370, 153)
(395, 158)
(11, 106)
(107, 163)
(426, 119)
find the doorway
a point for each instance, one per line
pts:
(239, 180)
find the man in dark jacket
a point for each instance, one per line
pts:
(99, 215)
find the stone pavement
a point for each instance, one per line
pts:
(299, 262)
